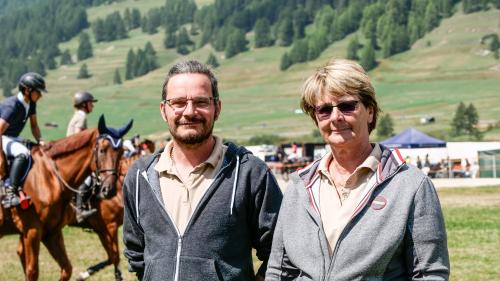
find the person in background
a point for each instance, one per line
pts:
(83, 102)
(360, 212)
(195, 210)
(14, 113)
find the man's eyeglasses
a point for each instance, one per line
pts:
(179, 104)
(325, 111)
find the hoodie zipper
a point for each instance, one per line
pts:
(341, 236)
(179, 236)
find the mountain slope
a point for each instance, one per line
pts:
(430, 79)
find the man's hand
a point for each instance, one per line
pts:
(259, 277)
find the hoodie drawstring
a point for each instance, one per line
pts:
(137, 196)
(235, 183)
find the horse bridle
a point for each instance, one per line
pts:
(115, 143)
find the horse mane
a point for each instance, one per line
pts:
(70, 143)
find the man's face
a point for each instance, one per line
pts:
(190, 110)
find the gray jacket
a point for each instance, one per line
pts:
(396, 233)
(237, 213)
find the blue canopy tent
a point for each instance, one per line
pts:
(413, 138)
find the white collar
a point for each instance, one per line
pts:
(20, 97)
(81, 112)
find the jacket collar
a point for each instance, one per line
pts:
(390, 161)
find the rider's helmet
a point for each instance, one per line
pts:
(33, 81)
(83, 97)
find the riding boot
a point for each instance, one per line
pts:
(16, 175)
(81, 197)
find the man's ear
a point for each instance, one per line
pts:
(162, 111)
(218, 107)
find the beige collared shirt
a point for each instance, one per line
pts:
(336, 211)
(181, 196)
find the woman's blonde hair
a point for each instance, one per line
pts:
(339, 77)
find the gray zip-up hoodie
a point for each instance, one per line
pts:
(237, 213)
(397, 231)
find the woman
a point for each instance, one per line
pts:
(359, 213)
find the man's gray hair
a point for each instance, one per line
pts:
(191, 66)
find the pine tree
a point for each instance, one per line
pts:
(352, 48)
(471, 121)
(385, 127)
(212, 60)
(367, 59)
(117, 78)
(459, 123)
(85, 48)
(136, 18)
(299, 22)
(183, 37)
(66, 58)
(84, 72)
(285, 62)
(99, 30)
(299, 51)
(129, 66)
(127, 18)
(236, 43)
(285, 32)
(262, 31)
(431, 18)
(170, 40)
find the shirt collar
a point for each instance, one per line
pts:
(371, 162)
(81, 112)
(20, 97)
(166, 164)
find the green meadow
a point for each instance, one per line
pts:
(446, 66)
(472, 224)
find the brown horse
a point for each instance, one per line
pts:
(106, 221)
(50, 183)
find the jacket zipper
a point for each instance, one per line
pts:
(179, 236)
(350, 222)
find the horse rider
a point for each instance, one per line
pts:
(83, 103)
(14, 113)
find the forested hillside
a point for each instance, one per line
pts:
(121, 49)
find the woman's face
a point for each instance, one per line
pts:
(343, 121)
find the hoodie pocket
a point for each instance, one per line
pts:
(159, 270)
(195, 268)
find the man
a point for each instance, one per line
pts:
(14, 113)
(196, 209)
(360, 212)
(83, 103)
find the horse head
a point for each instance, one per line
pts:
(107, 155)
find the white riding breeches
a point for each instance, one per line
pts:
(13, 147)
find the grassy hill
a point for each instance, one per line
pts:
(445, 67)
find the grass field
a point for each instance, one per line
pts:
(472, 222)
(445, 67)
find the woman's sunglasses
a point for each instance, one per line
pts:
(325, 111)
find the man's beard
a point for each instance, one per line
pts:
(193, 138)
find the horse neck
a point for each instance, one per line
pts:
(74, 167)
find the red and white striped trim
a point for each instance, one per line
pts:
(398, 156)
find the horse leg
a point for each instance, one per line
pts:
(108, 235)
(55, 245)
(21, 253)
(28, 253)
